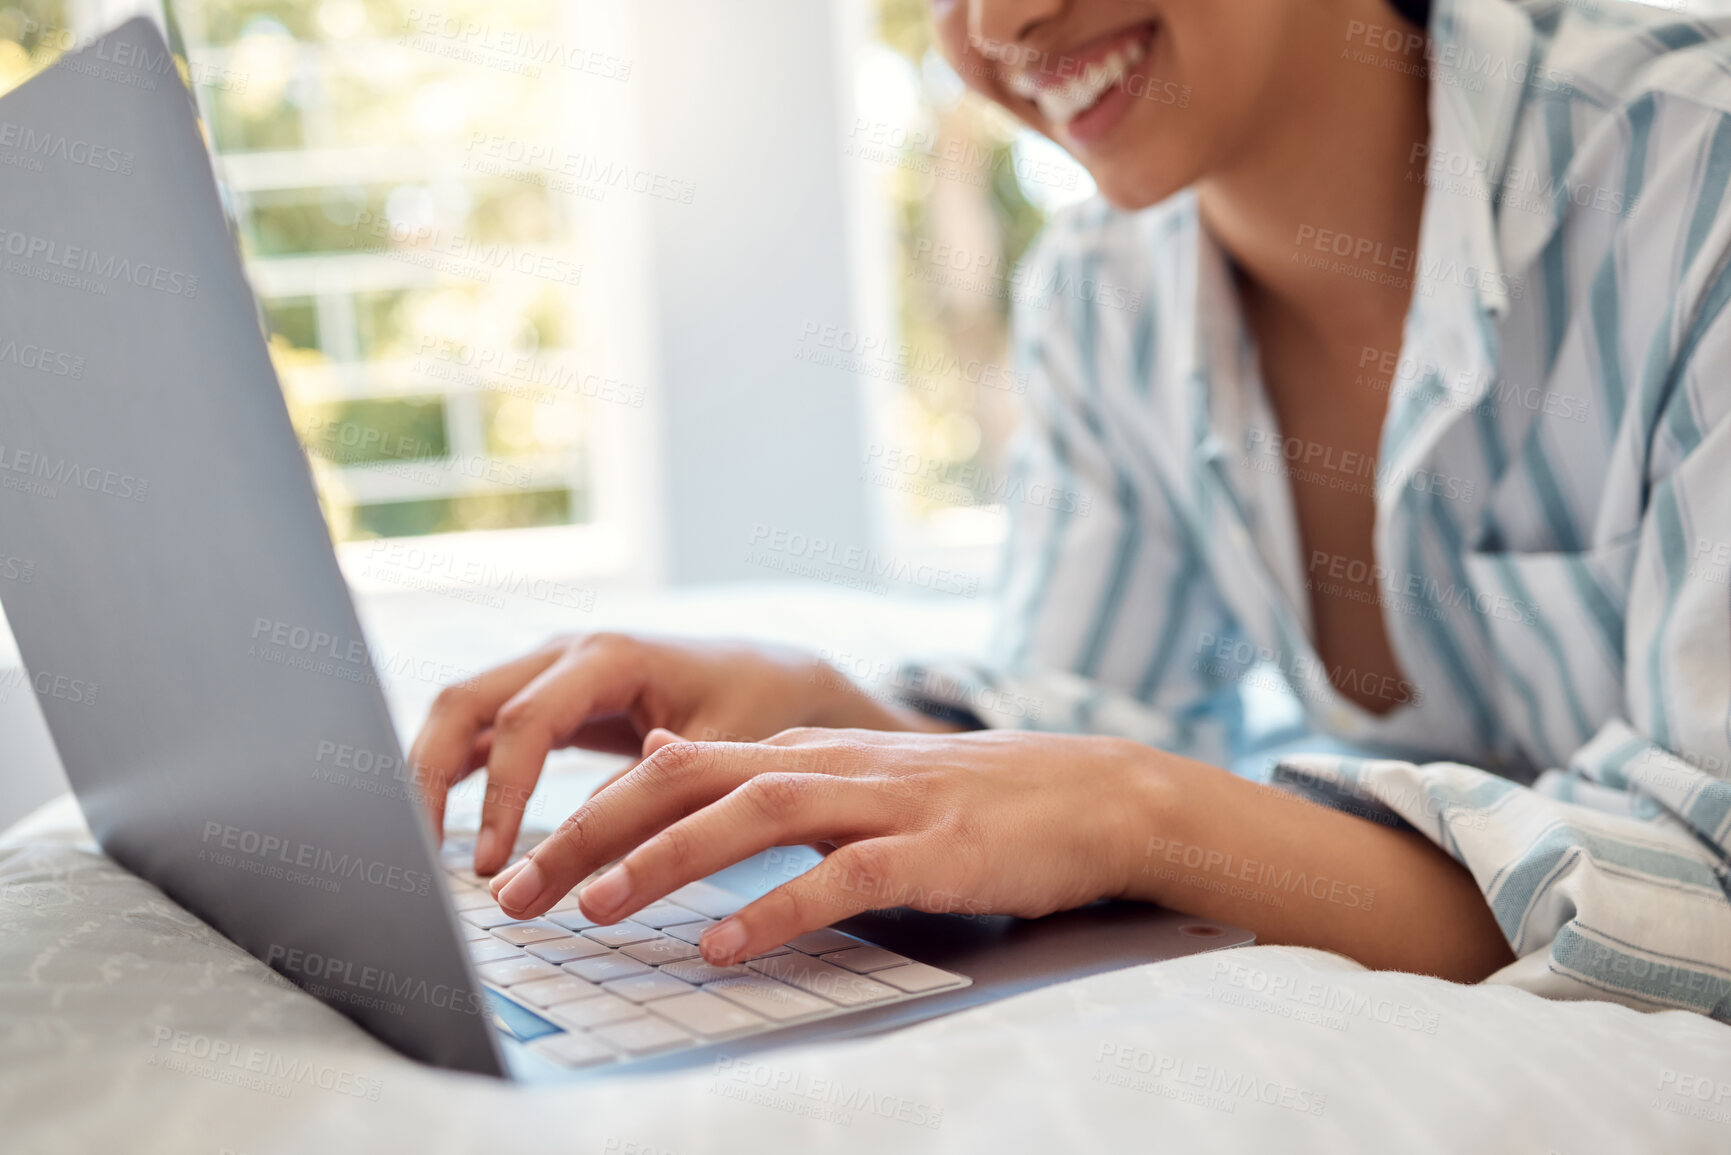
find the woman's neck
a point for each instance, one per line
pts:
(1320, 210)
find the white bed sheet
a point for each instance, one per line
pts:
(127, 1025)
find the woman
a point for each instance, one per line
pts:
(1413, 401)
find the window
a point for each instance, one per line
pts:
(967, 188)
(413, 209)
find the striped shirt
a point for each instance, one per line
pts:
(1552, 494)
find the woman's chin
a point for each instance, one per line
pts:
(1130, 191)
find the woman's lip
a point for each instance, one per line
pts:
(1089, 126)
(1054, 68)
(1092, 96)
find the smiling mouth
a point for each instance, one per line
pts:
(1063, 99)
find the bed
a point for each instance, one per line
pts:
(127, 1025)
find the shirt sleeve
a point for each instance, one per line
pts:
(1102, 596)
(1609, 876)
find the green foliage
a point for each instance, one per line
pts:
(370, 431)
(453, 514)
(906, 26)
(295, 320)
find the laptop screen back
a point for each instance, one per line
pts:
(176, 599)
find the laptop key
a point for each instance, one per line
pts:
(709, 1015)
(486, 917)
(560, 951)
(620, 934)
(863, 960)
(466, 899)
(699, 972)
(642, 1036)
(551, 992)
(571, 919)
(917, 978)
(775, 1001)
(493, 951)
(606, 967)
(689, 931)
(707, 899)
(510, 972)
(820, 941)
(647, 988)
(660, 950)
(664, 914)
(819, 978)
(573, 1050)
(475, 933)
(585, 1014)
(524, 933)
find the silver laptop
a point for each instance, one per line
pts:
(200, 665)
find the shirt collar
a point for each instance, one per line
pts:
(1481, 62)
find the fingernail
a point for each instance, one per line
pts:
(722, 942)
(607, 893)
(504, 876)
(525, 887)
(484, 846)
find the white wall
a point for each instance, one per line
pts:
(708, 300)
(746, 100)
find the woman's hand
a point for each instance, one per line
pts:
(607, 692)
(1006, 823)
(991, 822)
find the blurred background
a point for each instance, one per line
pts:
(616, 297)
(664, 315)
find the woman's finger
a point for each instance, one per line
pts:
(441, 752)
(614, 734)
(656, 739)
(653, 741)
(767, 810)
(661, 736)
(586, 682)
(674, 781)
(854, 878)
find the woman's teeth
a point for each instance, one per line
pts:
(1062, 103)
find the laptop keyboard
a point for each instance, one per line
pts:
(605, 994)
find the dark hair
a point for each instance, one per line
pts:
(1416, 11)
